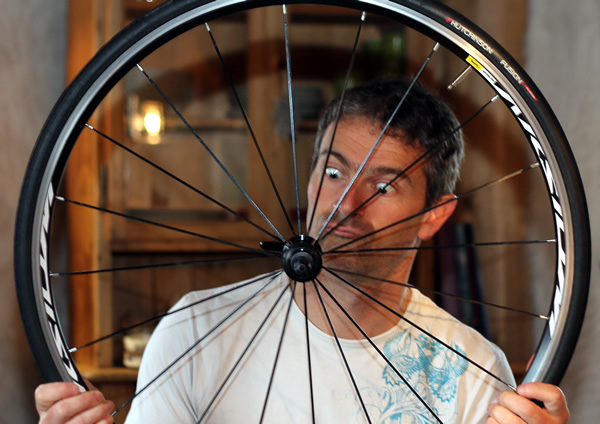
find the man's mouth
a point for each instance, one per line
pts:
(343, 231)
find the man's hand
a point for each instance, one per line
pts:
(513, 408)
(59, 403)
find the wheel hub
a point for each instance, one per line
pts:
(302, 258)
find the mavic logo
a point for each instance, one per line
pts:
(48, 301)
(550, 182)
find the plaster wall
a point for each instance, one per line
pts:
(32, 64)
(562, 58)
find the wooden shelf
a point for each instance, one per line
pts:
(110, 374)
(175, 124)
(139, 237)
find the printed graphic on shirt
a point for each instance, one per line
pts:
(431, 369)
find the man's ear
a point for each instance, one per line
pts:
(437, 216)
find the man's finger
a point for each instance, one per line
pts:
(58, 403)
(551, 396)
(48, 394)
(98, 413)
(500, 413)
(521, 407)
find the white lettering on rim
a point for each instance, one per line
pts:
(556, 203)
(48, 303)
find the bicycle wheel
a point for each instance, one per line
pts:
(532, 165)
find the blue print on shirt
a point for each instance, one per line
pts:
(430, 368)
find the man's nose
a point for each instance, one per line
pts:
(353, 203)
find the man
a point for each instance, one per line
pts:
(379, 352)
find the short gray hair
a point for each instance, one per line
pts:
(423, 121)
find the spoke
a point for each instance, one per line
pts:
(157, 266)
(379, 352)
(174, 311)
(412, 165)
(165, 226)
(195, 344)
(291, 106)
(209, 151)
(241, 357)
(339, 346)
(310, 379)
(424, 211)
(441, 293)
(285, 321)
(445, 246)
(245, 115)
(379, 138)
(179, 180)
(337, 117)
(421, 329)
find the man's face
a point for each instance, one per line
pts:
(404, 198)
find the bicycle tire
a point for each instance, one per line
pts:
(456, 33)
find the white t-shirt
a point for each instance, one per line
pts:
(457, 391)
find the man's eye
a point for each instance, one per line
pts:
(333, 173)
(384, 188)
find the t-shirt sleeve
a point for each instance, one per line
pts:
(480, 389)
(164, 386)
